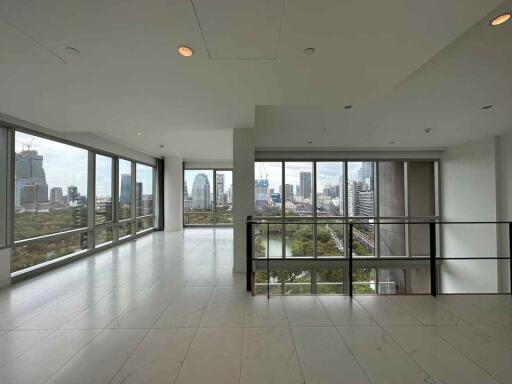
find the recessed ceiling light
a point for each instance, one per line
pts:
(392, 142)
(139, 134)
(309, 51)
(348, 107)
(487, 107)
(72, 51)
(161, 146)
(310, 142)
(428, 130)
(185, 51)
(501, 19)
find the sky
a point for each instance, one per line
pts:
(326, 172)
(65, 165)
(190, 175)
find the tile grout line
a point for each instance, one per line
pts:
(193, 338)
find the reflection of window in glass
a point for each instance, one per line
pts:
(268, 188)
(391, 204)
(50, 187)
(144, 190)
(3, 185)
(224, 194)
(329, 188)
(103, 203)
(125, 189)
(125, 230)
(298, 188)
(143, 224)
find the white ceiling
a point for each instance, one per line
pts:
(405, 65)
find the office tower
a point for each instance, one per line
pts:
(30, 172)
(366, 175)
(72, 193)
(352, 197)
(126, 186)
(220, 188)
(305, 185)
(261, 193)
(201, 192)
(56, 195)
(138, 194)
(288, 192)
(185, 190)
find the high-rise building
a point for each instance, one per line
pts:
(288, 192)
(353, 190)
(126, 186)
(56, 195)
(72, 193)
(305, 185)
(219, 182)
(366, 175)
(30, 172)
(185, 190)
(138, 194)
(201, 192)
(261, 193)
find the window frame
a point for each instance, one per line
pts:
(363, 260)
(214, 197)
(91, 227)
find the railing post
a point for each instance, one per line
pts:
(433, 252)
(350, 240)
(268, 260)
(510, 254)
(249, 253)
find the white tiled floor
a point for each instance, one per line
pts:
(167, 309)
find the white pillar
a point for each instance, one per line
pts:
(243, 192)
(173, 193)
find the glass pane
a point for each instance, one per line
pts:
(198, 190)
(198, 218)
(268, 188)
(37, 252)
(103, 203)
(50, 187)
(330, 240)
(391, 281)
(329, 281)
(125, 189)
(125, 229)
(299, 240)
(3, 184)
(224, 189)
(275, 240)
(144, 224)
(290, 281)
(392, 239)
(329, 188)
(298, 188)
(103, 236)
(144, 190)
(363, 281)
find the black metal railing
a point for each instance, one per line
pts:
(432, 259)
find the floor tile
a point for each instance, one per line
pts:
(345, 311)
(439, 358)
(325, 358)
(99, 361)
(14, 343)
(214, 357)
(381, 358)
(226, 308)
(303, 311)
(385, 311)
(263, 312)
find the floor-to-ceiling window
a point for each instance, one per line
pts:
(376, 197)
(207, 197)
(63, 200)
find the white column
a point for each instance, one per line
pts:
(173, 193)
(243, 191)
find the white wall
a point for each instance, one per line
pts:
(173, 193)
(504, 174)
(243, 192)
(468, 179)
